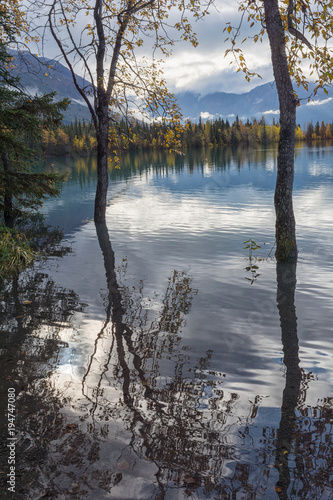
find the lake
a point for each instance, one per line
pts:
(167, 355)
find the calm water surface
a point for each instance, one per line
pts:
(156, 359)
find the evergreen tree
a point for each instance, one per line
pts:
(309, 132)
(22, 120)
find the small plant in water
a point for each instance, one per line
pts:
(251, 246)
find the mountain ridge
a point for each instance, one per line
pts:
(258, 102)
(46, 75)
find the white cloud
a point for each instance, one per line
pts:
(205, 115)
(79, 101)
(271, 112)
(319, 103)
(197, 69)
(205, 69)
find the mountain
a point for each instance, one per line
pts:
(229, 105)
(46, 75)
(43, 75)
(258, 102)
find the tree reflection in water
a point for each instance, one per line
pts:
(149, 424)
(169, 416)
(304, 436)
(34, 312)
(286, 285)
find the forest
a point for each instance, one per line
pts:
(78, 138)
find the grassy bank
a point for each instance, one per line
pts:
(15, 251)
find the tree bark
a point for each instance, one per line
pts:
(285, 228)
(102, 166)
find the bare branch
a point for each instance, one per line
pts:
(70, 66)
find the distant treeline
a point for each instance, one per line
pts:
(78, 138)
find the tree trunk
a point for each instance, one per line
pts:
(285, 230)
(8, 213)
(102, 165)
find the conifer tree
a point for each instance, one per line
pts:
(22, 119)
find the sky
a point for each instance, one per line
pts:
(205, 69)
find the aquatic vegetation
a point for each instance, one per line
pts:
(15, 251)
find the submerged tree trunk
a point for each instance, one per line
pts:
(8, 213)
(285, 230)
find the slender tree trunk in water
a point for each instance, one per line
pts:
(102, 165)
(285, 230)
(8, 197)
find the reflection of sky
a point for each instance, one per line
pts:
(198, 222)
(313, 168)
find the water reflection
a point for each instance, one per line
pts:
(304, 436)
(84, 169)
(167, 388)
(149, 423)
(35, 313)
(229, 169)
(309, 162)
(286, 286)
(185, 424)
(180, 422)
